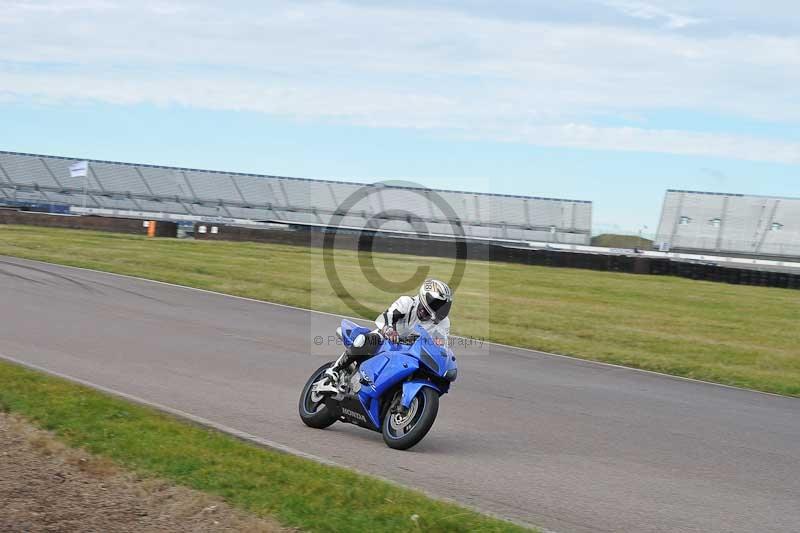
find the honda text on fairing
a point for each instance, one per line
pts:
(395, 392)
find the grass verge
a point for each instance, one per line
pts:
(611, 240)
(738, 335)
(298, 492)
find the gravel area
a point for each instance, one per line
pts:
(47, 486)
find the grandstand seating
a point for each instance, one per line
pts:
(758, 226)
(250, 197)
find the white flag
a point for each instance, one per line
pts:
(79, 169)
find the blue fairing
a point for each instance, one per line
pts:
(394, 364)
(351, 330)
(411, 388)
(384, 371)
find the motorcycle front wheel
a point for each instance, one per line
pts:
(313, 411)
(402, 430)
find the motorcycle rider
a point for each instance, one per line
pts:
(429, 308)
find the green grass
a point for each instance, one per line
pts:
(611, 240)
(298, 492)
(738, 335)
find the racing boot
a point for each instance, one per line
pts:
(333, 373)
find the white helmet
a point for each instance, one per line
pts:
(436, 298)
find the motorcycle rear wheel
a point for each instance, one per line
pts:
(313, 411)
(401, 431)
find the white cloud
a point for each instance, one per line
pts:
(647, 11)
(669, 141)
(546, 83)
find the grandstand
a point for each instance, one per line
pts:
(730, 224)
(149, 191)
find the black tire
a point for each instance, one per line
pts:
(419, 423)
(315, 414)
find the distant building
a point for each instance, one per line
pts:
(150, 191)
(730, 224)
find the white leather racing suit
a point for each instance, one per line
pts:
(402, 317)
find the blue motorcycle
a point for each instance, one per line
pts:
(395, 392)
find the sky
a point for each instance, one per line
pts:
(612, 101)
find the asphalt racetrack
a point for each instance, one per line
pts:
(564, 444)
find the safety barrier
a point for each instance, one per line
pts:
(376, 242)
(116, 225)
